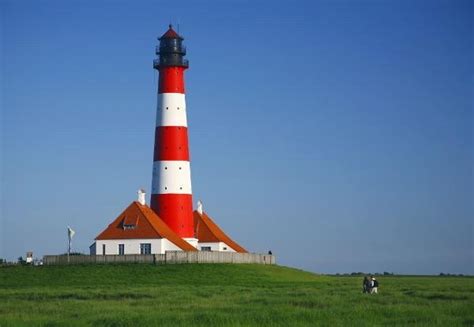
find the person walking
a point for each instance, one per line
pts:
(365, 285)
(374, 285)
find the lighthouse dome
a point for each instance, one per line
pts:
(170, 34)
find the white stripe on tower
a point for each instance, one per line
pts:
(171, 110)
(171, 177)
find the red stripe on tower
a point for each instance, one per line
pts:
(171, 197)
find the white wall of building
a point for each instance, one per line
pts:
(169, 246)
(132, 246)
(216, 246)
(158, 246)
(193, 241)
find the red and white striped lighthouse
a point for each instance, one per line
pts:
(171, 197)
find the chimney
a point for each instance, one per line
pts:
(199, 207)
(141, 196)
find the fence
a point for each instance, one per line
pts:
(80, 259)
(171, 257)
(218, 257)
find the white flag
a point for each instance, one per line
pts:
(70, 232)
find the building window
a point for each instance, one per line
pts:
(206, 248)
(121, 249)
(103, 249)
(145, 248)
(225, 248)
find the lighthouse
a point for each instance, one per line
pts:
(169, 223)
(171, 196)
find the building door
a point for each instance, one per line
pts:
(121, 249)
(103, 249)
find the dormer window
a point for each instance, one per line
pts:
(129, 222)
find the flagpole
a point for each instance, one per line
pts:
(70, 234)
(69, 245)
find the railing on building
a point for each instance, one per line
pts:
(180, 62)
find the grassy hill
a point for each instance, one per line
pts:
(223, 294)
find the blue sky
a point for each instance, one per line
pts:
(338, 134)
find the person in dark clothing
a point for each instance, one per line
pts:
(366, 285)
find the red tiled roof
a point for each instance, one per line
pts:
(208, 231)
(170, 34)
(146, 224)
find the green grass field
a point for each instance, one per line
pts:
(224, 295)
